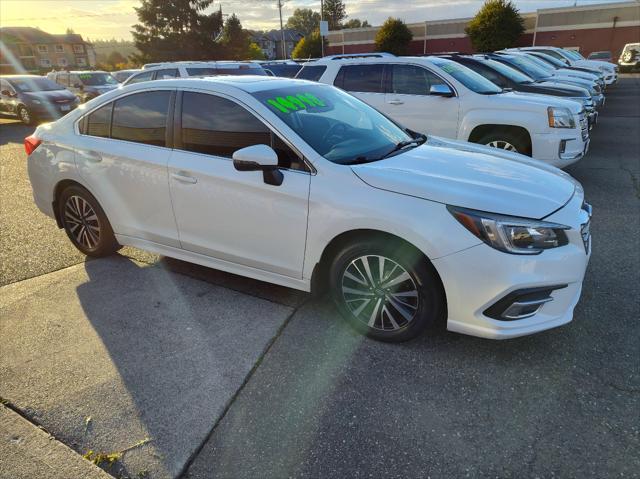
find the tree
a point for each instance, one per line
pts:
(334, 13)
(309, 46)
(304, 20)
(255, 52)
(70, 31)
(393, 37)
(172, 30)
(235, 40)
(355, 23)
(497, 25)
(114, 58)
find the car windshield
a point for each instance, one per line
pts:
(34, 84)
(548, 59)
(97, 79)
(336, 125)
(574, 54)
(472, 80)
(510, 73)
(528, 67)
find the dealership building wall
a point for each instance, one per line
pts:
(585, 28)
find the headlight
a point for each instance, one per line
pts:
(509, 233)
(560, 118)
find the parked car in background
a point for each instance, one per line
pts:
(86, 85)
(604, 56)
(575, 59)
(563, 65)
(300, 184)
(630, 57)
(281, 68)
(440, 97)
(509, 78)
(32, 98)
(161, 71)
(544, 73)
(122, 75)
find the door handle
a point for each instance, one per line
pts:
(395, 102)
(92, 157)
(184, 178)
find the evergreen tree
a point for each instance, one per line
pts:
(497, 25)
(393, 37)
(308, 47)
(235, 40)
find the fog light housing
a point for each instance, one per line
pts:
(522, 303)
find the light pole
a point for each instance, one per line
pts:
(284, 45)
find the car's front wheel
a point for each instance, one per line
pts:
(85, 223)
(506, 141)
(385, 290)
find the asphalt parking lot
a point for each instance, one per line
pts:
(213, 375)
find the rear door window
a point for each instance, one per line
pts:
(141, 117)
(362, 78)
(194, 72)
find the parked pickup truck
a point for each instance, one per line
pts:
(440, 97)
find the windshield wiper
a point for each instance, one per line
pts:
(403, 144)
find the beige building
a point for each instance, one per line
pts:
(32, 50)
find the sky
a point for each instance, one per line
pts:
(105, 19)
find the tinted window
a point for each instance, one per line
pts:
(144, 76)
(311, 72)
(168, 73)
(98, 122)
(362, 78)
(413, 80)
(28, 84)
(217, 126)
(466, 76)
(194, 72)
(242, 71)
(141, 118)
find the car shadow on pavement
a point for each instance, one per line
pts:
(14, 131)
(170, 352)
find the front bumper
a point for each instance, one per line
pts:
(479, 277)
(561, 147)
(611, 78)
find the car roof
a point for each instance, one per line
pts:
(14, 77)
(150, 66)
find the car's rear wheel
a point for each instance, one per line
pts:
(85, 223)
(506, 141)
(389, 292)
(25, 115)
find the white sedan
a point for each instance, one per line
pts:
(302, 185)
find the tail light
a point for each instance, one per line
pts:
(31, 143)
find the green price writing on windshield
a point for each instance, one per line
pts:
(85, 76)
(290, 103)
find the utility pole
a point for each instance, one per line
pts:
(321, 36)
(284, 44)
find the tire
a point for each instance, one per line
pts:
(25, 116)
(506, 140)
(378, 314)
(85, 223)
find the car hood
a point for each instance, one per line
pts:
(53, 95)
(472, 176)
(563, 89)
(535, 101)
(595, 63)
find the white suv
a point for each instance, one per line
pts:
(162, 71)
(440, 97)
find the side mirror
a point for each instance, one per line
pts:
(259, 158)
(440, 90)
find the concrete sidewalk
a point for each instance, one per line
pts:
(28, 452)
(112, 355)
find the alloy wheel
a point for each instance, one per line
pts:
(503, 145)
(82, 222)
(25, 116)
(380, 292)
